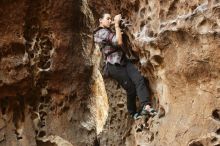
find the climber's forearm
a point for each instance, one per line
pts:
(118, 34)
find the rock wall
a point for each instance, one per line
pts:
(52, 92)
(47, 89)
(178, 46)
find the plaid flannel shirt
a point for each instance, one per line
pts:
(107, 41)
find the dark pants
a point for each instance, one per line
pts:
(132, 81)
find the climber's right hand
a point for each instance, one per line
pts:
(117, 19)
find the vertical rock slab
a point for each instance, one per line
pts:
(177, 43)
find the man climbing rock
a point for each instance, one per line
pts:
(118, 67)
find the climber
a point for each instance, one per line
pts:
(118, 67)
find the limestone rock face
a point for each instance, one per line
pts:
(46, 73)
(178, 46)
(52, 92)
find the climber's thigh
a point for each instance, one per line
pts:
(119, 73)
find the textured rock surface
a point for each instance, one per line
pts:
(46, 73)
(52, 92)
(178, 45)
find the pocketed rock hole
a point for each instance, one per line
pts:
(41, 134)
(96, 142)
(218, 131)
(214, 139)
(41, 143)
(197, 143)
(216, 114)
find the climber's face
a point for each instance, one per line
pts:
(105, 21)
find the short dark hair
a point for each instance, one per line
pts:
(103, 14)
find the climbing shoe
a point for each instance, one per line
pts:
(147, 110)
(135, 116)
